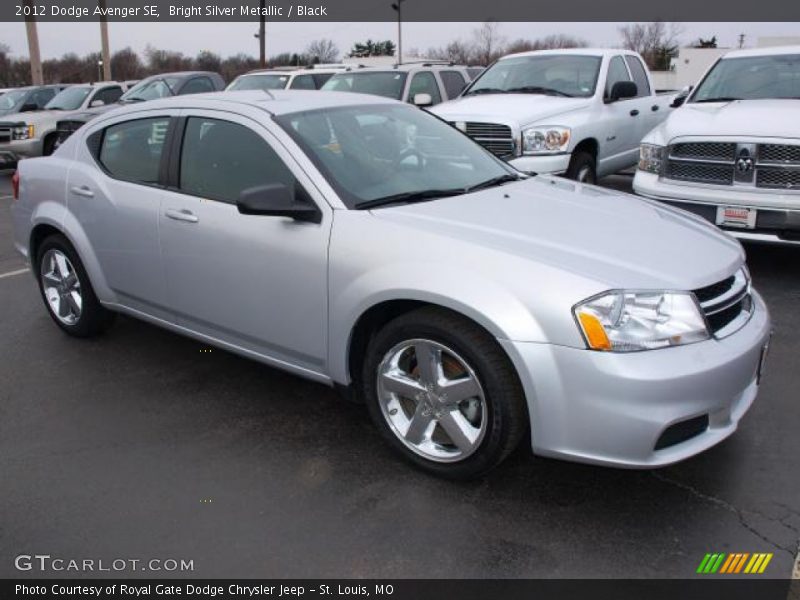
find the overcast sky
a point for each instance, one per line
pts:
(231, 38)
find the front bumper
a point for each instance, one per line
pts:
(778, 213)
(612, 408)
(555, 164)
(12, 152)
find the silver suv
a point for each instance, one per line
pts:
(365, 244)
(423, 84)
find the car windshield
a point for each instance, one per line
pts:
(558, 75)
(383, 154)
(151, 89)
(389, 84)
(9, 99)
(271, 81)
(751, 78)
(69, 99)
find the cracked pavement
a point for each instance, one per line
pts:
(139, 445)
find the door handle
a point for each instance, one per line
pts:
(655, 107)
(82, 190)
(182, 215)
(634, 113)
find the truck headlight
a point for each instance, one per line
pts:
(23, 132)
(545, 140)
(651, 157)
(629, 321)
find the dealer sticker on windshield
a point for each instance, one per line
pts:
(737, 216)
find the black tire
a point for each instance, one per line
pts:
(507, 419)
(582, 167)
(94, 319)
(49, 145)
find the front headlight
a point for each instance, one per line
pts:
(23, 132)
(627, 321)
(651, 157)
(545, 140)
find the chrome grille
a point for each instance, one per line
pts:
(777, 178)
(727, 304)
(495, 137)
(705, 150)
(773, 166)
(779, 153)
(700, 172)
(5, 134)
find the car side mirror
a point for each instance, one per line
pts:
(681, 96)
(622, 90)
(95, 103)
(422, 100)
(279, 200)
(30, 107)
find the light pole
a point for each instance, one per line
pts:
(99, 70)
(398, 6)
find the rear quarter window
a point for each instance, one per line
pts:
(132, 150)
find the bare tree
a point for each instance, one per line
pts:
(126, 64)
(657, 42)
(546, 43)
(488, 43)
(457, 51)
(207, 61)
(324, 51)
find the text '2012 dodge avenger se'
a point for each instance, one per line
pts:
(366, 244)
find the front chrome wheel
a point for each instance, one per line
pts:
(61, 287)
(432, 400)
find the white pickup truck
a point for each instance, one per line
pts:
(731, 153)
(580, 112)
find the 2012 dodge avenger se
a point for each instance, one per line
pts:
(366, 244)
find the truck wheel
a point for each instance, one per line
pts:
(582, 168)
(443, 393)
(66, 290)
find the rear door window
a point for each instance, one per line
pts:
(453, 82)
(132, 150)
(639, 76)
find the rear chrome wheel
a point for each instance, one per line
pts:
(61, 287)
(66, 289)
(432, 400)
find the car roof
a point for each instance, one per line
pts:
(181, 74)
(289, 72)
(405, 67)
(602, 52)
(772, 51)
(276, 102)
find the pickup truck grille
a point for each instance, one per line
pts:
(496, 138)
(5, 134)
(727, 304)
(773, 166)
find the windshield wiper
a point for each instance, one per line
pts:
(506, 178)
(535, 89)
(408, 198)
(719, 99)
(131, 99)
(486, 90)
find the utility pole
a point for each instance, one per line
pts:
(262, 35)
(398, 6)
(106, 55)
(37, 78)
(741, 40)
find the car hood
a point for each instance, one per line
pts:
(39, 116)
(519, 109)
(618, 240)
(746, 118)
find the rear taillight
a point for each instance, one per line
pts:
(15, 185)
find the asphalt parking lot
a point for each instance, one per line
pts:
(138, 444)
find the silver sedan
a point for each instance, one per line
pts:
(366, 244)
